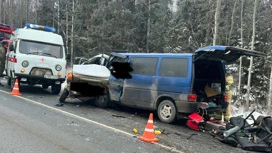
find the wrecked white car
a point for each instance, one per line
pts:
(88, 79)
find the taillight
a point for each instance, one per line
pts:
(226, 97)
(192, 97)
(14, 60)
(69, 76)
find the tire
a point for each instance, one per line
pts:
(45, 86)
(55, 89)
(167, 111)
(9, 81)
(12, 82)
(64, 95)
(102, 101)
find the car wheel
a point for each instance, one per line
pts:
(12, 82)
(45, 86)
(9, 80)
(167, 111)
(64, 95)
(102, 101)
(55, 89)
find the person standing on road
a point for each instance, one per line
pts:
(229, 82)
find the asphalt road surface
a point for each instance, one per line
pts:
(33, 123)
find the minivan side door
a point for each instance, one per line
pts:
(140, 90)
(175, 79)
(115, 87)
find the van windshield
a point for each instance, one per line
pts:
(39, 48)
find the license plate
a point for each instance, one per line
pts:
(51, 77)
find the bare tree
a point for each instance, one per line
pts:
(67, 28)
(251, 58)
(242, 44)
(72, 33)
(58, 16)
(1, 8)
(232, 20)
(148, 27)
(216, 21)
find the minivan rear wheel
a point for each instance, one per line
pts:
(167, 111)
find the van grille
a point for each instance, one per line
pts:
(40, 72)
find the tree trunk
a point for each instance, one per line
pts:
(148, 28)
(21, 12)
(242, 45)
(72, 33)
(216, 21)
(4, 11)
(1, 8)
(27, 10)
(58, 15)
(67, 28)
(232, 20)
(37, 1)
(251, 58)
(270, 92)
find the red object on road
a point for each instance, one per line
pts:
(194, 120)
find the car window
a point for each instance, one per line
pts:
(144, 66)
(114, 59)
(174, 67)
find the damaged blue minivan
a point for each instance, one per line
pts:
(173, 84)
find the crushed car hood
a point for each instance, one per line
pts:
(93, 70)
(92, 74)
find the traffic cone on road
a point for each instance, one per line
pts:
(149, 135)
(15, 91)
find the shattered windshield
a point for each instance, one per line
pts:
(39, 48)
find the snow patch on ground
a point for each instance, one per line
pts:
(238, 109)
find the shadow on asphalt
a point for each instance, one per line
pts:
(33, 89)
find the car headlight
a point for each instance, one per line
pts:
(25, 63)
(58, 67)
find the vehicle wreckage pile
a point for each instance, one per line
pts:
(252, 133)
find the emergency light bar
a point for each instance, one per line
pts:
(39, 27)
(6, 28)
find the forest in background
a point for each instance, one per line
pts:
(90, 27)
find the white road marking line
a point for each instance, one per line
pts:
(90, 121)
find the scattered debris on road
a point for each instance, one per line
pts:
(158, 132)
(191, 135)
(118, 116)
(135, 131)
(59, 104)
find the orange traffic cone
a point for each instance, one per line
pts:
(149, 135)
(15, 90)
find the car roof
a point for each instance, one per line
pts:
(157, 54)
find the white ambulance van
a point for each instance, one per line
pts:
(36, 55)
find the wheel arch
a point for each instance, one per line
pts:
(162, 98)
